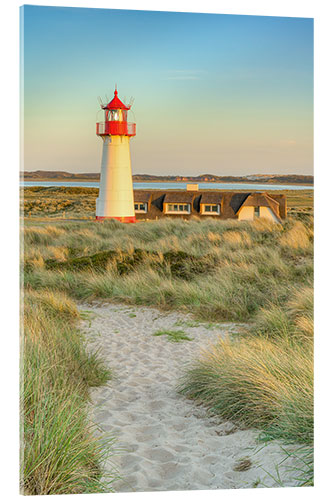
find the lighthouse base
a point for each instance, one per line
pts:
(125, 220)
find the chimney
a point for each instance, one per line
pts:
(192, 187)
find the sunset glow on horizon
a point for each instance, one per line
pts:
(219, 94)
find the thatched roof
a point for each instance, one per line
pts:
(211, 198)
(261, 200)
(179, 197)
(142, 196)
(230, 201)
(237, 201)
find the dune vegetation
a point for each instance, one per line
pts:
(256, 273)
(221, 270)
(60, 452)
(264, 379)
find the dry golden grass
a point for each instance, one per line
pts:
(292, 321)
(296, 238)
(265, 225)
(258, 382)
(302, 302)
(214, 237)
(251, 266)
(54, 231)
(61, 454)
(58, 253)
(237, 239)
(56, 304)
(37, 262)
(87, 233)
(301, 310)
(305, 326)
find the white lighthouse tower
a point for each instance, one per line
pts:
(115, 200)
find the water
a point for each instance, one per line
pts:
(174, 185)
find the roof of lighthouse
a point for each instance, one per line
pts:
(116, 103)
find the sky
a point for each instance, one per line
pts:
(213, 93)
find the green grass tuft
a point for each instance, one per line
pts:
(173, 335)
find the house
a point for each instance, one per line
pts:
(259, 205)
(156, 204)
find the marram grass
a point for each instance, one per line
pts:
(264, 379)
(60, 451)
(258, 383)
(260, 273)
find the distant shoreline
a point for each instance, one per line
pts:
(82, 179)
(267, 179)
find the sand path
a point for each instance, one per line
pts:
(167, 442)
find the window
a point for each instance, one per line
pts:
(178, 208)
(140, 207)
(172, 208)
(116, 115)
(256, 211)
(211, 209)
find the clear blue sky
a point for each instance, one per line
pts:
(213, 93)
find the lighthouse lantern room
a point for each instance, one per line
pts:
(115, 199)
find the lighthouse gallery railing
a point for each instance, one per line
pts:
(115, 128)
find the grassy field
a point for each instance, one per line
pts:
(80, 202)
(258, 273)
(167, 263)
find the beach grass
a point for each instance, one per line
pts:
(259, 273)
(60, 451)
(264, 379)
(259, 382)
(221, 270)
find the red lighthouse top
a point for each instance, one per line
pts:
(116, 103)
(115, 122)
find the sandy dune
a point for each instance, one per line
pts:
(167, 442)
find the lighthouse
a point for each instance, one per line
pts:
(115, 199)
